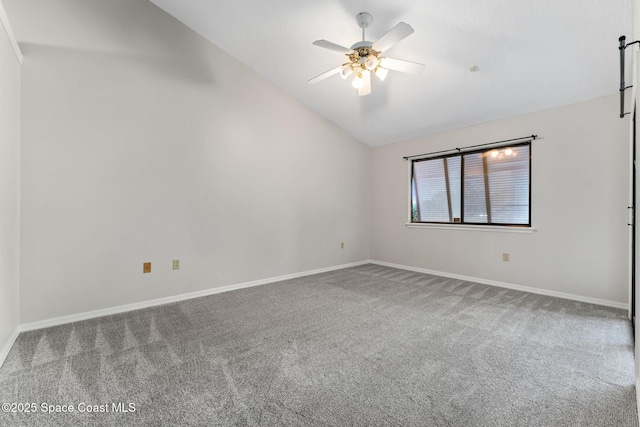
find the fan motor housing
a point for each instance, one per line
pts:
(360, 53)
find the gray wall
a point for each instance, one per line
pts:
(143, 142)
(151, 144)
(9, 186)
(580, 194)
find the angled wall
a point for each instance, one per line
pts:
(155, 145)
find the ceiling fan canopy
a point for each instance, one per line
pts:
(365, 57)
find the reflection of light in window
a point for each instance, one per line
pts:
(500, 154)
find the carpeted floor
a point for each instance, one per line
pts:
(365, 346)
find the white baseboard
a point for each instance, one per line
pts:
(181, 297)
(47, 323)
(4, 352)
(538, 291)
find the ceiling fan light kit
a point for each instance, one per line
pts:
(365, 56)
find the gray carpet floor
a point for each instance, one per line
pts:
(364, 346)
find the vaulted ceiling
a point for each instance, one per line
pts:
(531, 55)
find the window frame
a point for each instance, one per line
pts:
(462, 224)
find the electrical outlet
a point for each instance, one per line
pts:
(146, 267)
(505, 257)
(176, 264)
(341, 245)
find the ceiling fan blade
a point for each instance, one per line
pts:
(326, 74)
(365, 89)
(332, 46)
(401, 65)
(392, 37)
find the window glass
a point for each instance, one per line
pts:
(478, 187)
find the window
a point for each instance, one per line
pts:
(489, 187)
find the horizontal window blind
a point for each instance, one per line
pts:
(430, 187)
(509, 186)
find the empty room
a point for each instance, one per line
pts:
(339, 213)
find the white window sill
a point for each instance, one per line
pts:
(494, 228)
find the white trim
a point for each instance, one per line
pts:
(7, 27)
(409, 191)
(7, 347)
(495, 228)
(182, 297)
(538, 291)
(167, 300)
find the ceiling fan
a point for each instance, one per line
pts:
(365, 56)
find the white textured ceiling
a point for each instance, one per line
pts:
(531, 55)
